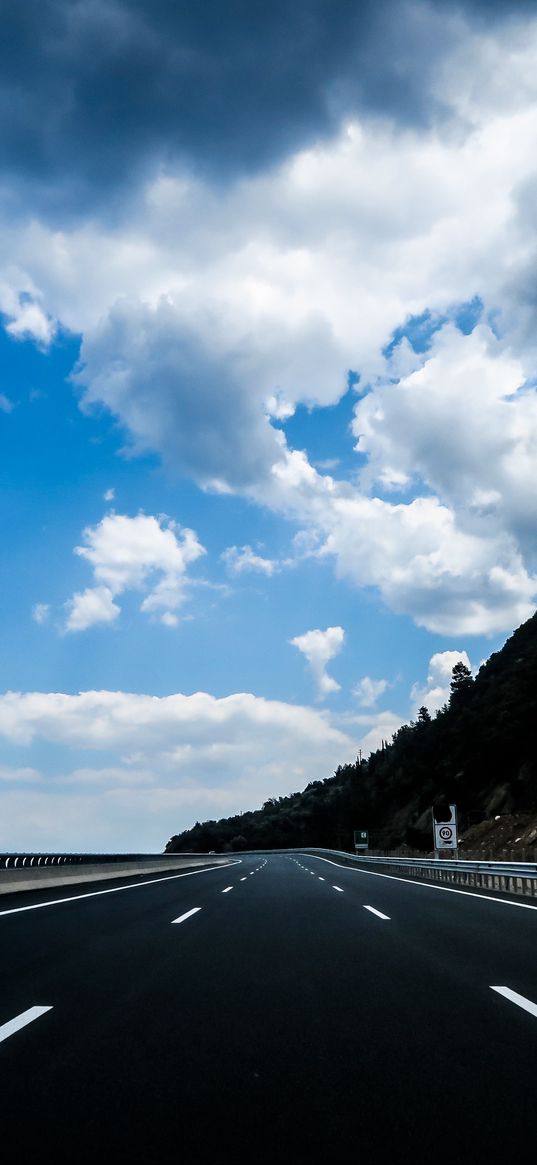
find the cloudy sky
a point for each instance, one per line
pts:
(267, 411)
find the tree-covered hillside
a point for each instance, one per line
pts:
(480, 751)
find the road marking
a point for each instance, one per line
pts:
(113, 890)
(320, 879)
(14, 1025)
(378, 913)
(520, 1000)
(227, 889)
(427, 885)
(338, 888)
(189, 913)
(243, 879)
(252, 872)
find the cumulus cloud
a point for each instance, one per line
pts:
(319, 647)
(6, 406)
(175, 758)
(239, 559)
(449, 579)
(464, 424)
(40, 612)
(368, 691)
(375, 728)
(196, 412)
(115, 77)
(126, 554)
(109, 495)
(204, 308)
(90, 607)
(435, 692)
(25, 318)
(19, 775)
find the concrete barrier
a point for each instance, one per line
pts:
(45, 877)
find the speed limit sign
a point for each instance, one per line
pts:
(445, 836)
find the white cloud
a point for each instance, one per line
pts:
(379, 728)
(450, 579)
(90, 607)
(6, 406)
(20, 303)
(126, 553)
(19, 775)
(368, 691)
(173, 759)
(435, 693)
(319, 647)
(40, 612)
(201, 311)
(243, 558)
(462, 424)
(109, 495)
(169, 619)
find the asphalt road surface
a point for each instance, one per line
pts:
(281, 1009)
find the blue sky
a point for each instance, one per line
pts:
(268, 421)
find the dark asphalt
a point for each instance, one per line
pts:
(281, 1022)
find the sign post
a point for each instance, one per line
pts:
(361, 839)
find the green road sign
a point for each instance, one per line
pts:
(361, 839)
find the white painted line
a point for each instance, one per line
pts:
(252, 872)
(113, 890)
(338, 888)
(427, 885)
(227, 889)
(243, 879)
(520, 1000)
(378, 913)
(320, 879)
(14, 1025)
(189, 913)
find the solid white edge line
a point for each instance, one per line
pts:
(189, 913)
(14, 1025)
(520, 1000)
(427, 885)
(378, 913)
(113, 890)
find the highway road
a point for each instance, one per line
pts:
(280, 1009)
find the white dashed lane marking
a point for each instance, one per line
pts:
(189, 913)
(378, 913)
(25, 1017)
(520, 1000)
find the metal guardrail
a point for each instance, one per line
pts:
(513, 877)
(459, 865)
